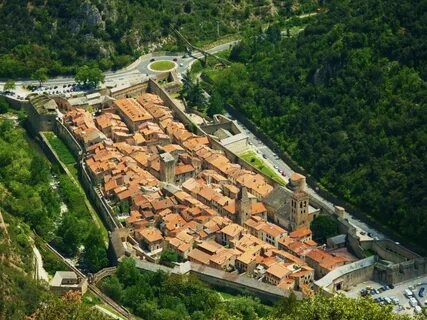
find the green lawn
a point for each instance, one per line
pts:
(60, 148)
(255, 161)
(162, 65)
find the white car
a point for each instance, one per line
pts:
(413, 302)
(418, 309)
(408, 293)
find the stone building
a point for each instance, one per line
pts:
(167, 168)
(289, 206)
(65, 281)
(243, 205)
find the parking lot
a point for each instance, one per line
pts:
(401, 301)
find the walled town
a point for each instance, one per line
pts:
(182, 195)
(163, 184)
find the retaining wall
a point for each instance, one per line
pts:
(226, 281)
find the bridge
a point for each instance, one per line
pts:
(92, 287)
(191, 47)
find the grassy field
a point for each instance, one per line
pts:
(255, 161)
(61, 149)
(162, 65)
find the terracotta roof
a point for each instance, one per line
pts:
(232, 230)
(300, 233)
(199, 256)
(279, 271)
(183, 169)
(132, 109)
(150, 234)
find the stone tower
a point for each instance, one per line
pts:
(299, 211)
(167, 168)
(243, 206)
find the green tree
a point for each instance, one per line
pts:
(340, 307)
(40, 75)
(168, 257)
(216, 104)
(113, 288)
(9, 85)
(127, 272)
(4, 105)
(95, 253)
(70, 235)
(89, 76)
(324, 227)
(67, 307)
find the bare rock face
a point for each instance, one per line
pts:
(91, 15)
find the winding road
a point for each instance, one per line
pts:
(137, 71)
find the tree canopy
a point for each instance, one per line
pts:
(66, 34)
(89, 76)
(346, 98)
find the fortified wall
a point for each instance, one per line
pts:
(233, 283)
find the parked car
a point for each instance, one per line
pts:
(418, 309)
(413, 302)
(421, 292)
(408, 293)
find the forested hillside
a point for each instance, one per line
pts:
(347, 99)
(62, 34)
(53, 208)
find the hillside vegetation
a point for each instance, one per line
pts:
(60, 35)
(347, 99)
(30, 193)
(161, 296)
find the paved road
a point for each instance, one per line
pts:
(138, 72)
(276, 162)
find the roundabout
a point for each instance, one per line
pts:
(162, 66)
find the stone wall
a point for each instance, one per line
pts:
(65, 135)
(50, 152)
(231, 282)
(389, 250)
(102, 207)
(344, 277)
(155, 88)
(400, 272)
(129, 92)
